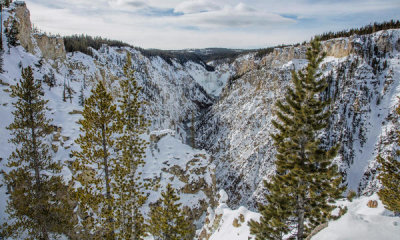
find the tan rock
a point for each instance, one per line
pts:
(372, 204)
(235, 223)
(50, 47)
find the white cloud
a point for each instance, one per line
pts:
(327, 8)
(233, 17)
(200, 13)
(197, 6)
(206, 23)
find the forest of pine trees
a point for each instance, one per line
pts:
(371, 28)
(368, 29)
(83, 43)
(306, 181)
(390, 179)
(105, 197)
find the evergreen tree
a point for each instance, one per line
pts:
(390, 178)
(38, 204)
(64, 92)
(11, 33)
(1, 58)
(7, 3)
(129, 219)
(166, 219)
(193, 130)
(82, 97)
(50, 79)
(306, 181)
(96, 164)
(70, 93)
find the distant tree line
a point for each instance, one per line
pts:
(83, 43)
(371, 28)
(368, 29)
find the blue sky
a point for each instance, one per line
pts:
(180, 24)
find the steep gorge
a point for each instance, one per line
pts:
(232, 106)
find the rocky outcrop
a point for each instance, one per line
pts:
(50, 47)
(372, 204)
(22, 15)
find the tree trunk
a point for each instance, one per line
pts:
(300, 218)
(110, 235)
(39, 194)
(105, 162)
(1, 26)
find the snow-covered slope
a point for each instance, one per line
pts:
(360, 222)
(224, 223)
(189, 170)
(364, 83)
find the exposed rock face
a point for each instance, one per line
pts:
(22, 15)
(372, 204)
(50, 47)
(339, 48)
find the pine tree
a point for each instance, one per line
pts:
(96, 164)
(50, 79)
(12, 33)
(166, 219)
(82, 97)
(7, 3)
(193, 131)
(38, 204)
(1, 28)
(64, 91)
(306, 181)
(70, 93)
(390, 178)
(130, 220)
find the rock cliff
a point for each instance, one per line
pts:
(50, 47)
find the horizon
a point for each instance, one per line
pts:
(200, 24)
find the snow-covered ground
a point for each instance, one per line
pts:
(359, 223)
(362, 223)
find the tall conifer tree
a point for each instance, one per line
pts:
(167, 221)
(96, 163)
(390, 178)
(132, 152)
(306, 181)
(38, 202)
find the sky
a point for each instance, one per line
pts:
(182, 24)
